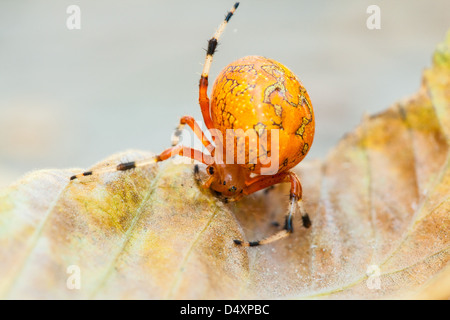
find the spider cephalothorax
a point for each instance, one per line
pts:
(227, 180)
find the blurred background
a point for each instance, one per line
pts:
(69, 98)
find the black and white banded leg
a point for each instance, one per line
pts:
(178, 150)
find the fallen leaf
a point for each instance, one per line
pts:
(379, 204)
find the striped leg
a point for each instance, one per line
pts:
(212, 44)
(295, 202)
(190, 121)
(178, 150)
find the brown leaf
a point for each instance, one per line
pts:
(379, 204)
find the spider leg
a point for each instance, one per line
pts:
(269, 189)
(198, 180)
(197, 174)
(190, 121)
(212, 44)
(166, 154)
(295, 202)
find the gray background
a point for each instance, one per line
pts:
(69, 98)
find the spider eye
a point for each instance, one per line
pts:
(211, 170)
(232, 189)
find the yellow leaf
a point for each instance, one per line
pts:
(379, 205)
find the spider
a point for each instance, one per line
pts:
(252, 93)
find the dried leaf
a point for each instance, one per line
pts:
(379, 205)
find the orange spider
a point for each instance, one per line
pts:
(256, 95)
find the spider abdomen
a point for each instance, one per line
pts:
(261, 94)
